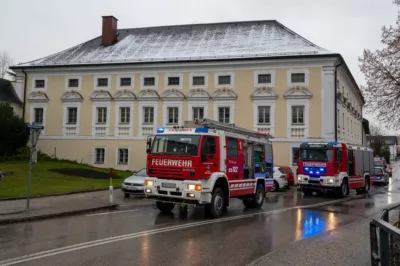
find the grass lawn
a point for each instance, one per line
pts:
(47, 182)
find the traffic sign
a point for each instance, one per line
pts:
(34, 127)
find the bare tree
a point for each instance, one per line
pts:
(376, 130)
(5, 62)
(382, 72)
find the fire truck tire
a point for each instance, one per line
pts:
(344, 189)
(165, 207)
(257, 200)
(366, 187)
(217, 205)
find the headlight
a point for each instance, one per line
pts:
(299, 178)
(148, 183)
(194, 187)
(330, 180)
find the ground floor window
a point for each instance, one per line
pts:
(123, 156)
(99, 154)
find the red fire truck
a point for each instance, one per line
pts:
(206, 163)
(334, 166)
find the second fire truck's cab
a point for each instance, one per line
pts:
(334, 166)
(208, 162)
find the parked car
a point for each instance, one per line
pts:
(289, 174)
(381, 162)
(134, 184)
(381, 176)
(280, 179)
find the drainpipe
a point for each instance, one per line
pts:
(24, 103)
(336, 88)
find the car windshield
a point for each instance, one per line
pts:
(378, 170)
(318, 155)
(379, 163)
(142, 172)
(176, 144)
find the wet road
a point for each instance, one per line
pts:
(143, 236)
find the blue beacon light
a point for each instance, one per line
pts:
(160, 130)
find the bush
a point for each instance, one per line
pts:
(13, 132)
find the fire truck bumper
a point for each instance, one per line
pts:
(326, 183)
(185, 191)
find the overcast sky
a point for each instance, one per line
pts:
(33, 29)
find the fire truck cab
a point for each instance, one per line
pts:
(334, 166)
(207, 163)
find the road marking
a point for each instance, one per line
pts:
(105, 213)
(57, 251)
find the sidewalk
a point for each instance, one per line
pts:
(47, 207)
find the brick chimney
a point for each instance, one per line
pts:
(109, 32)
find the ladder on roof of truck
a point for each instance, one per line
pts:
(212, 124)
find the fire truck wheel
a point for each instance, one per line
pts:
(366, 187)
(216, 207)
(165, 206)
(275, 186)
(343, 189)
(257, 200)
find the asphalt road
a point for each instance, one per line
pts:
(143, 236)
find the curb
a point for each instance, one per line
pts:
(59, 194)
(54, 215)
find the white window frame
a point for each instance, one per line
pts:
(264, 72)
(271, 104)
(65, 119)
(298, 102)
(94, 116)
(39, 78)
(218, 74)
(171, 75)
(94, 155)
(297, 113)
(79, 78)
(168, 104)
(32, 115)
(131, 76)
(194, 104)
(108, 77)
(149, 75)
(225, 103)
(198, 74)
(143, 104)
(118, 105)
(295, 71)
(117, 161)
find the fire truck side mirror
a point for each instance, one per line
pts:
(148, 144)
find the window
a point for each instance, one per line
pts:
(232, 148)
(101, 115)
(298, 77)
(198, 112)
(173, 81)
(99, 154)
(338, 118)
(149, 81)
(199, 81)
(125, 82)
(211, 143)
(343, 120)
(173, 115)
(73, 83)
(38, 116)
(125, 115)
(224, 80)
(264, 78)
(102, 82)
(39, 83)
(123, 156)
(298, 115)
(295, 155)
(176, 144)
(263, 115)
(348, 125)
(338, 155)
(223, 114)
(72, 115)
(148, 113)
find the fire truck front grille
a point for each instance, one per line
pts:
(166, 172)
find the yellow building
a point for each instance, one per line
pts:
(100, 99)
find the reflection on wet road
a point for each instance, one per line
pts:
(146, 237)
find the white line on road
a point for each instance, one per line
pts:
(56, 251)
(104, 213)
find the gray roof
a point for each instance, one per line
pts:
(7, 92)
(218, 41)
(389, 140)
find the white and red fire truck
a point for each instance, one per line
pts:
(207, 163)
(334, 166)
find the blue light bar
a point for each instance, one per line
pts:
(201, 130)
(160, 130)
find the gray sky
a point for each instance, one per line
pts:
(34, 29)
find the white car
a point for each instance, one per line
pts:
(280, 179)
(134, 184)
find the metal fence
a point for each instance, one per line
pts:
(385, 239)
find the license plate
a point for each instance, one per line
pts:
(168, 185)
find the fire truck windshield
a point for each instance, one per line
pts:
(176, 144)
(318, 155)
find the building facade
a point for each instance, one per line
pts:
(99, 100)
(10, 96)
